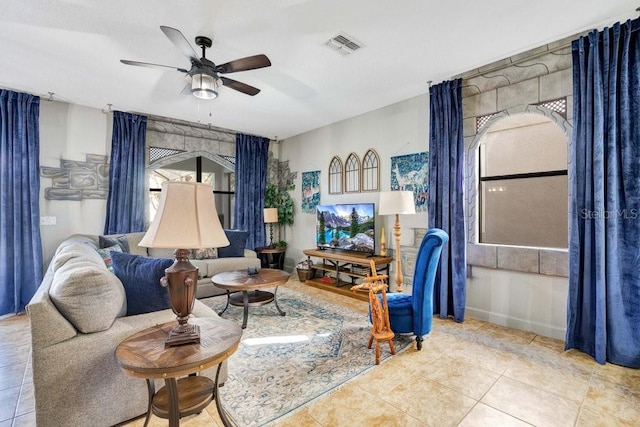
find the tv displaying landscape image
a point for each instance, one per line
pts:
(349, 227)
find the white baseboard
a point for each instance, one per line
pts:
(511, 322)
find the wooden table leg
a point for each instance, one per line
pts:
(174, 403)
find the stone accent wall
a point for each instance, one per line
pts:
(78, 180)
(192, 139)
(514, 85)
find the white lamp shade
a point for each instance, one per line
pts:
(186, 218)
(396, 202)
(270, 215)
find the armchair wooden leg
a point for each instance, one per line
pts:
(377, 352)
(392, 347)
(419, 343)
(370, 342)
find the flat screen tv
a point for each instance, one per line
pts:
(348, 227)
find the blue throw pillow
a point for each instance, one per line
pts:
(237, 243)
(140, 277)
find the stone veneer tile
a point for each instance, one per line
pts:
(165, 140)
(535, 52)
(518, 259)
(495, 65)
(523, 93)
(554, 262)
(520, 73)
(482, 255)
(469, 126)
(479, 105)
(556, 85)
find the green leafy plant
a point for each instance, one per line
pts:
(276, 198)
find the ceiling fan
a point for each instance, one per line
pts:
(204, 76)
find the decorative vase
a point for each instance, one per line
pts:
(383, 243)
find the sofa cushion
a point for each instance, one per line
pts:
(141, 279)
(110, 240)
(87, 295)
(134, 240)
(74, 253)
(161, 253)
(204, 253)
(237, 243)
(105, 253)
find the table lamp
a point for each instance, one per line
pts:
(397, 203)
(186, 219)
(270, 217)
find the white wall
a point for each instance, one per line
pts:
(530, 302)
(398, 129)
(70, 132)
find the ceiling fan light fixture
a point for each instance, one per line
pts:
(203, 86)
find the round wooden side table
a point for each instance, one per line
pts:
(271, 257)
(144, 355)
(250, 286)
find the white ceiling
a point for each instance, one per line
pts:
(73, 49)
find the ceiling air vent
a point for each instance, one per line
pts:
(343, 44)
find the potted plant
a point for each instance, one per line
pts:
(280, 199)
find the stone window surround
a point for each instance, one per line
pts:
(547, 261)
(512, 86)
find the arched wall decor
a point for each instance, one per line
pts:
(354, 176)
(370, 171)
(335, 176)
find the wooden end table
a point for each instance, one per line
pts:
(144, 355)
(271, 257)
(250, 286)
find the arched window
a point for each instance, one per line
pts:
(522, 186)
(352, 174)
(335, 176)
(370, 171)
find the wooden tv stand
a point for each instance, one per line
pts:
(339, 270)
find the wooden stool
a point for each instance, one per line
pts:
(380, 329)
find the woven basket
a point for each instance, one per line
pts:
(306, 274)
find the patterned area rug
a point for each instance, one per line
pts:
(285, 362)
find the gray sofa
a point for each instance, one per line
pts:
(207, 268)
(77, 319)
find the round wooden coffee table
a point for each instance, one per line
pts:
(144, 355)
(250, 286)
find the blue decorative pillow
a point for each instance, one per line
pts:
(237, 243)
(141, 279)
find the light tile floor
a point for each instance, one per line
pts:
(467, 374)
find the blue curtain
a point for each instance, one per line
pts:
(251, 182)
(603, 315)
(20, 245)
(446, 203)
(126, 201)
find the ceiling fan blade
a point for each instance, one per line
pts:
(186, 90)
(244, 64)
(149, 65)
(240, 87)
(179, 41)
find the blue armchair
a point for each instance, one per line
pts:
(414, 313)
